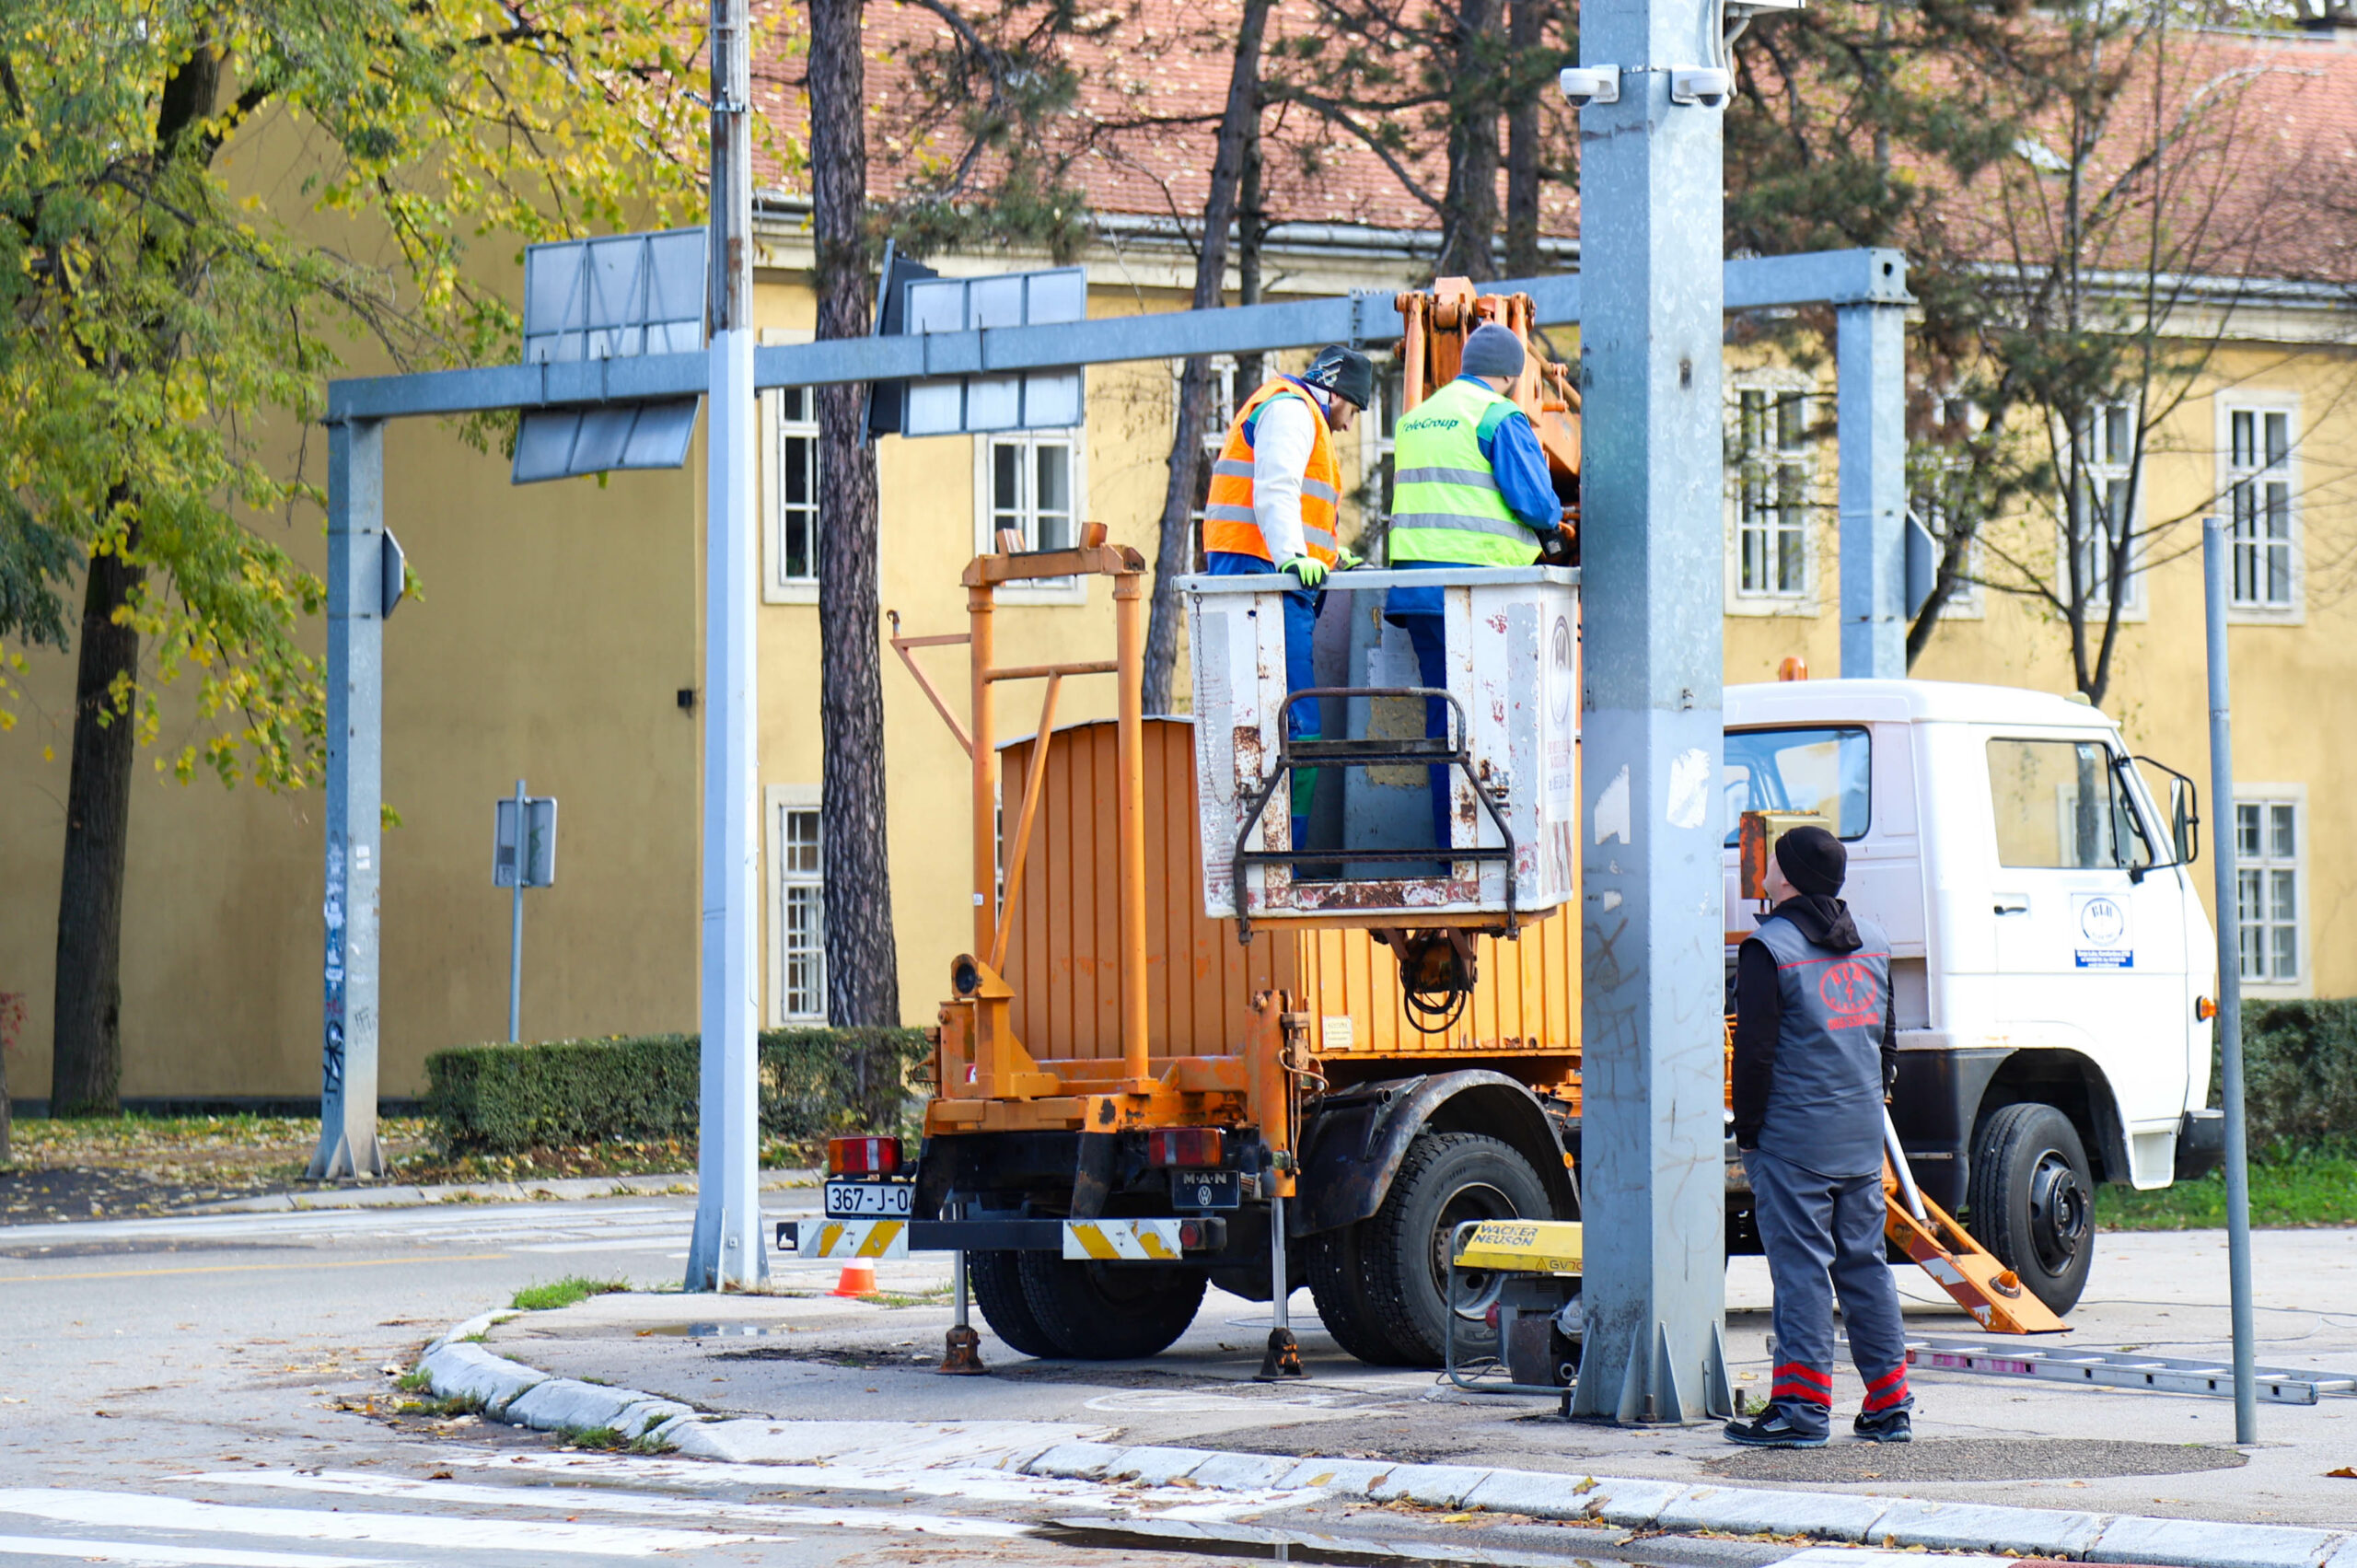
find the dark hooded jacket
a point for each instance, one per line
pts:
(1759, 1023)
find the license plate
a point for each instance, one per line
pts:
(1206, 1188)
(869, 1200)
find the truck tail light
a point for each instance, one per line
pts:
(1184, 1146)
(2204, 1009)
(1191, 1235)
(863, 1156)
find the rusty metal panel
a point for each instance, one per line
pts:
(1063, 953)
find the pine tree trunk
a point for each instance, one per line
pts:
(862, 960)
(1526, 20)
(85, 1072)
(1469, 202)
(1172, 556)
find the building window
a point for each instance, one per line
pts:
(2258, 491)
(1219, 412)
(1029, 481)
(797, 908)
(2106, 446)
(793, 488)
(1771, 481)
(1939, 480)
(2268, 866)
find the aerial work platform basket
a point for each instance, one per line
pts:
(1509, 761)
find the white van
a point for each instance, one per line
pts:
(2052, 969)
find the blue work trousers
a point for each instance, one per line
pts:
(1301, 672)
(1823, 1235)
(1429, 634)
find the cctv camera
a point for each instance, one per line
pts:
(1595, 83)
(1702, 84)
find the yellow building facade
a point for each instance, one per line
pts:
(558, 639)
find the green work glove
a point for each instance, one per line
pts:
(1305, 571)
(1348, 560)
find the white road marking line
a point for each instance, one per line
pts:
(974, 1485)
(130, 1510)
(571, 1500)
(1872, 1557)
(670, 1237)
(166, 1556)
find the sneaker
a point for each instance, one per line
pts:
(1893, 1425)
(1772, 1430)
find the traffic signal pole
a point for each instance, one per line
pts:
(728, 1248)
(1652, 561)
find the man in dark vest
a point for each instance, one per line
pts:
(1815, 1051)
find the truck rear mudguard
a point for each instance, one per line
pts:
(1353, 1141)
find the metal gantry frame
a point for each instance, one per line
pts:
(1653, 541)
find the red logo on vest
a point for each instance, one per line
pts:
(1850, 994)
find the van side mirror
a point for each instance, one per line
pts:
(2185, 813)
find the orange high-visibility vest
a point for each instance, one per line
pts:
(1229, 523)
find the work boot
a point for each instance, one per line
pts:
(1893, 1425)
(1776, 1429)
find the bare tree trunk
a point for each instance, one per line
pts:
(1470, 204)
(1526, 21)
(862, 960)
(1171, 554)
(1252, 228)
(85, 1072)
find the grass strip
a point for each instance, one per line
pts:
(2291, 1190)
(569, 1290)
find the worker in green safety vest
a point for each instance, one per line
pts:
(1469, 488)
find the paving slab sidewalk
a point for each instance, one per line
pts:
(510, 1390)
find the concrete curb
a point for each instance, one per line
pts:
(513, 1392)
(564, 1187)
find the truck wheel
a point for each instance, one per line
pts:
(1110, 1311)
(2033, 1201)
(1337, 1283)
(1447, 1179)
(998, 1291)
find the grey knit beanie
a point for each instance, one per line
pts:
(1493, 350)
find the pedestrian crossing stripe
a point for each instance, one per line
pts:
(851, 1238)
(1135, 1241)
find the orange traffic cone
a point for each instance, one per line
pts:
(858, 1279)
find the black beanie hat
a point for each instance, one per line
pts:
(1813, 860)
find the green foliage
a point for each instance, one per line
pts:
(509, 1099)
(2292, 1188)
(569, 1290)
(2299, 1078)
(187, 192)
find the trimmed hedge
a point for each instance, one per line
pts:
(504, 1100)
(2299, 1074)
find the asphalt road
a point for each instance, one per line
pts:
(220, 1390)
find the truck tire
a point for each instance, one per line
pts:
(998, 1291)
(1337, 1283)
(1110, 1311)
(2032, 1200)
(1445, 1177)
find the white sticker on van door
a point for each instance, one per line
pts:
(2099, 923)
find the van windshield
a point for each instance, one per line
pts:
(1822, 771)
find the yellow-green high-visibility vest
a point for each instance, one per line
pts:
(1445, 504)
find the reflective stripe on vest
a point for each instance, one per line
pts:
(1446, 503)
(1230, 524)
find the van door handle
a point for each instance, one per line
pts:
(2013, 903)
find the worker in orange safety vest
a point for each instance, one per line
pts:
(1275, 486)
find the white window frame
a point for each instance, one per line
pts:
(1218, 414)
(776, 586)
(1062, 590)
(2232, 475)
(1742, 470)
(777, 800)
(2108, 472)
(2266, 796)
(1966, 601)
